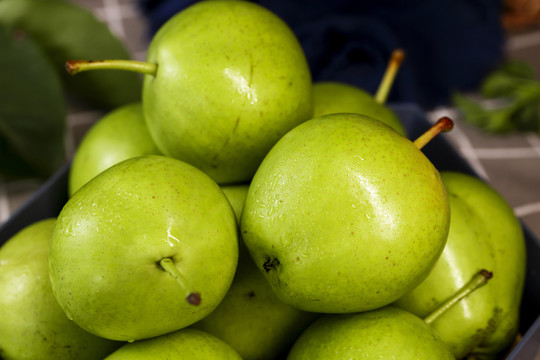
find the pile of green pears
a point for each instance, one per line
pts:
(242, 211)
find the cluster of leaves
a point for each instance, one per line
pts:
(509, 100)
(32, 108)
(36, 39)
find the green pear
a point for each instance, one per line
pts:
(335, 97)
(330, 97)
(484, 233)
(384, 333)
(345, 215)
(251, 318)
(224, 81)
(236, 194)
(119, 135)
(32, 324)
(147, 247)
(182, 344)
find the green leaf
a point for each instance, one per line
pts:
(515, 91)
(507, 78)
(471, 110)
(32, 109)
(67, 31)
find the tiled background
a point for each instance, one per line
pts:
(510, 163)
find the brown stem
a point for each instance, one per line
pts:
(442, 125)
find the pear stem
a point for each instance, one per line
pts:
(477, 281)
(76, 66)
(390, 74)
(194, 298)
(442, 125)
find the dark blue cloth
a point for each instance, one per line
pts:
(450, 45)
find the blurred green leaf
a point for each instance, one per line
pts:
(510, 100)
(67, 31)
(32, 109)
(506, 79)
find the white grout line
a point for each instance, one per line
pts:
(534, 140)
(140, 55)
(527, 209)
(70, 144)
(84, 118)
(523, 41)
(469, 152)
(507, 153)
(460, 140)
(124, 11)
(113, 13)
(4, 204)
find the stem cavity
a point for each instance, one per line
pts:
(75, 66)
(167, 264)
(442, 125)
(390, 74)
(477, 281)
(270, 264)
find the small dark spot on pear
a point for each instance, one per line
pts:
(250, 294)
(194, 298)
(297, 258)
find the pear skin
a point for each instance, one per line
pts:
(334, 97)
(147, 247)
(231, 80)
(119, 135)
(32, 323)
(385, 333)
(345, 215)
(181, 344)
(484, 233)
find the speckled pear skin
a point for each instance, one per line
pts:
(236, 194)
(345, 215)
(484, 234)
(335, 97)
(112, 233)
(386, 333)
(32, 324)
(179, 345)
(119, 135)
(231, 80)
(251, 318)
